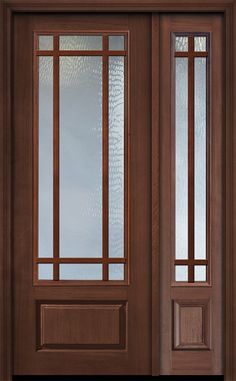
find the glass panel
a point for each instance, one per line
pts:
(80, 42)
(181, 273)
(80, 157)
(200, 44)
(116, 271)
(45, 166)
(181, 44)
(116, 156)
(116, 42)
(181, 159)
(45, 42)
(81, 271)
(45, 271)
(200, 159)
(200, 273)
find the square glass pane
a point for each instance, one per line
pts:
(80, 42)
(116, 271)
(81, 157)
(45, 158)
(200, 155)
(200, 44)
(116, 156)
(181, 273)
(45, 271)
(116, 42)
(80, 271)
(45, 42)
(200, 273)
(181, 43)
(181, 158)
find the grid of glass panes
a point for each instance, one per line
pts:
(191, 221)
(80, 135)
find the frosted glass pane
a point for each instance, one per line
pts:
(200, 44)
(45, 271)
(116, 271)
(200, 159)
(181, 273)
(45, 158)
(116, 156)
(80, 271)
(181, 44)
(45, 42)
(181, 159)
(80, 42)
(200, 273)
(116, 42)
(80, 157)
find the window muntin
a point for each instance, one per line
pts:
(191, 159)
(91, 235)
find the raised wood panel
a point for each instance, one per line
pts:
(191, 324)
(81, 325)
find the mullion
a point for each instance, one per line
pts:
(191, 158)
(105, 157)
(56, 158)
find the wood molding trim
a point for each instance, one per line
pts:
(228, 8)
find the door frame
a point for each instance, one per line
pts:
(228, 9)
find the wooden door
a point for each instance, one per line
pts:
(81, 194)
(191, 194)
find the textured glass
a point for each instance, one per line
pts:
(200, 44)
(45, 42)
(200, 159)
(116, 42)
(45, 158)
(80, 157)
(116, 271)
(45, 271)
(181, 44)
(80, 271)
(200, 273)
(181, 158)
(181, 273)
(80, 42)
(116, 156)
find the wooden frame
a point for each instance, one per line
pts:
(228, 8)
(104, 53)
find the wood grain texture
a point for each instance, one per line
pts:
(81, 326)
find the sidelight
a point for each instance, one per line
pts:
(80, 157)
(191, 158)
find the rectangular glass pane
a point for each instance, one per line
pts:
(200, 44)
(45, 42)
(181, 273)
(45, 271)
(45, 157)
(116, 271)
(181, 44)
(80, 271)
(200, 158)
(181, 158)
(200, 273)
(116, 156)
(116, 42)
(80, 42)
(80, 157)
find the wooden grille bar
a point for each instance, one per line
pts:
(191, 54)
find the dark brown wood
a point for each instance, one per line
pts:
(181, 361)
(56, 159)
(191, 151)
(135, 358)
(105, 158)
